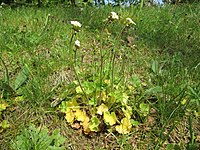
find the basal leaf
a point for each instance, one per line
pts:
(134, 123)
(72, 104)
(69, 115)
(93, 101)
(127, 111)
(80, 115)
(4, 124)
(111, 119)
(85, 125)
(78, 89)
(3, 106)
(154, 66)
(154, 90)
(94, 124)
(124, 99)
(21, 77)
(102, 108)
(144, 108)
(124, 127)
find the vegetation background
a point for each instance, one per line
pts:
(154, 65)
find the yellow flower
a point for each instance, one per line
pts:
(129, 21)
(113, 16)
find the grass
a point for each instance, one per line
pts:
(160, 57)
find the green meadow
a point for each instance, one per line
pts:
(89, 78)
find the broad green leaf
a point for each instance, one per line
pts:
(94, 124)
(8, 90)
(136, 82)
(102, 108)
(69, 104)
(154, 90)
(111, 119)
(144, 108)
(19, 98)
(38, 139)
(21, 77)
(169, 147)
(63, 106)
(58, 139)
(4, 124)
(3, 106)
(154, 66)
(134, 123)
(93, 101)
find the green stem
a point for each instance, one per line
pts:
(191, 132)
(73, 35)
(79, 82)
(75, 51)
(112, 70)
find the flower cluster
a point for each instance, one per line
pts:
(129, 21)
(113, 16)
(76, 25)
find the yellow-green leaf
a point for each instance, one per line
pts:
(78, 89)
(111, 119)
(85, 125)
(102, 108)
(72, 104)
(5, 124)
(69, 115)
(94, 124)
(19, 98)
(127, 112)
(126, 122)
(124, 99)
(125, 126)
(80, 115)
(144, 108)
(3, 106)
(183, 102)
